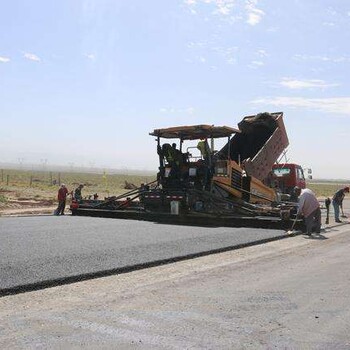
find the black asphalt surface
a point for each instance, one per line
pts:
(47, 248)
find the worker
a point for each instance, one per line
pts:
(205, 170)
(309, 208)
(61, 196)
(173, 158)
(293, 196)
(167, 152)
(204, 148)
(77, 193)
(337, 202)
(178, 156)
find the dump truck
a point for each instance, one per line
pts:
(197, 182)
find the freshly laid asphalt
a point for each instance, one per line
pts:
(44, 250)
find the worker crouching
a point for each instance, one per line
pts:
(309, 208)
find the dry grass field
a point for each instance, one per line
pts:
(326, 188)
(21, 190)
(38, 189)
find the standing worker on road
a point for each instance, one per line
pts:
(309, 207)
(77, 192)
(337, 202)
(61, 196)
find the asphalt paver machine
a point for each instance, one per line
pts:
(196, 182)
(196, 178)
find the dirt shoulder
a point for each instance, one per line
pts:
(14, 207)
(25, 201)
(20, 211)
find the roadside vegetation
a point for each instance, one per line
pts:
(326, 188)
(3, 199)
(23, 189)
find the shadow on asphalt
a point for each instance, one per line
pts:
(317, 237)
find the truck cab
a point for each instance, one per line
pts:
(288, 175)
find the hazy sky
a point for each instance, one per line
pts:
(85, 81)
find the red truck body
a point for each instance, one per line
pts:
(287, 176)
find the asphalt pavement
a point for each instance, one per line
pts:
(37, 251)
(287, 294)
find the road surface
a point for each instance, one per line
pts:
(288, 294)
(48, 249)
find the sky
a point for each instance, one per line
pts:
(84, 82)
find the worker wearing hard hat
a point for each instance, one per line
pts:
(337, 202)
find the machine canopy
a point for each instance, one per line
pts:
(194, 132)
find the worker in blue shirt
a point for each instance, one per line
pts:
(337, 202)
